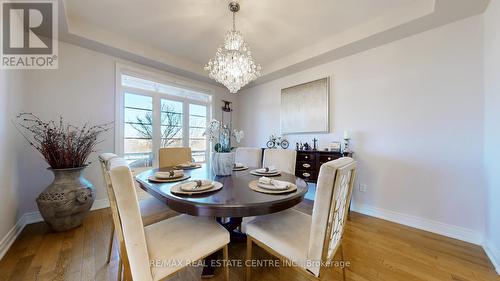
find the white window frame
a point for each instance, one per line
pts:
(162, 78)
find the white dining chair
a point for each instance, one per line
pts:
(309, 241)
(249, 156)
(152, 210)
(161, 249)
(282, 159)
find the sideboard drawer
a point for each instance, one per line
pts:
(327, 158)
(307, 175)
(306, 165)
(306, 156)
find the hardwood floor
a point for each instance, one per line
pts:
(376, 249)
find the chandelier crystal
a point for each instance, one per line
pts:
(233, 65)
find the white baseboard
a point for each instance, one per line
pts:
(11, 236)
(34, 217)
(493, 253)
(453, 231)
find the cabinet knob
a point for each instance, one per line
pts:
(306, 175)
(329, 158)
(307, 157)
(306, 165)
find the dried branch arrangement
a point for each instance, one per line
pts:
(61, 144)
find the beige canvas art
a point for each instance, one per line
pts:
(305, 108)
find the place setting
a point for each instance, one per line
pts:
(272, 186)
(269, 171)
(239, 167)
(187, 166)
(194, 187)
(168, 176)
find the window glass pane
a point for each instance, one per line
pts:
(171, 123)
(199, 156)
(138, 101)
(138, 152)
(198, 110)
(171, 106)
(198, 122)
(171, 142)
(134, 82)
(196, 133)
(138, 116)
(169, 132)
(138, 130)
(171, 119)
(197, 145)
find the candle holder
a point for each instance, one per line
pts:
(347, 148)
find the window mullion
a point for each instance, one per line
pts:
(185, 124)
(156, 128)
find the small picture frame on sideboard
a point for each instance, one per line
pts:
(335, 146)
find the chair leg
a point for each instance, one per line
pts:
(111, 239)
(120, 270)
(248, 262)
(343, 260)
(225, 257)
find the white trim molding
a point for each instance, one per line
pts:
(493, 253)
(448, 230)
(34, 217)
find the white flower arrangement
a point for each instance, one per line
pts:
(221, 134)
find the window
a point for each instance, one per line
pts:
(151, 115)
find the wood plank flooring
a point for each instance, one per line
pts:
(376, 249)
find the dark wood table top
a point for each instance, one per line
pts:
(235, 199)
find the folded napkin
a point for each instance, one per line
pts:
(186, 164)
(273, 184)
(170, 174)
(196, 185)
(268, 169)
(239, 165)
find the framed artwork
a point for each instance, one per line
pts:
(305, 108)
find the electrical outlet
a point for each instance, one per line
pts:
(363, 187)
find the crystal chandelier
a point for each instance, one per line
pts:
(233, 65)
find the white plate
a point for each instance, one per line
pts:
(240, 168)
(166, 176)
(154, 179)
(175, 189)
(256, 173)
(189, 186)
(254, 186)
(272, 187)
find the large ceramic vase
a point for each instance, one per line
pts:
(223, 163)
(67, 200)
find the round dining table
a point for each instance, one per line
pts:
(234, 200)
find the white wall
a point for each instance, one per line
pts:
(10, 101)
(81, 90)
(492, 126)
(415, 109)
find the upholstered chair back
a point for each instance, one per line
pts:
(107, 161)
(331, 205)
(131, 221)
(249, 156)
(282, 159)
(171, 156)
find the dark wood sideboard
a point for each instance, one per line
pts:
(309, 162)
